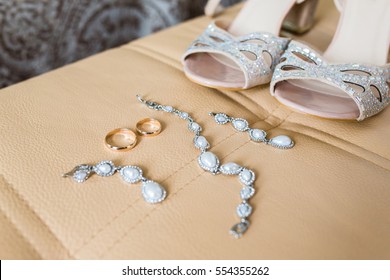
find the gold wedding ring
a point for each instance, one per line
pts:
(121, 139)
(148, 127)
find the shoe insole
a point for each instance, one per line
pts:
(313, 98)
(363, 36)
(207, 70)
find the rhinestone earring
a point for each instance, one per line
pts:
(255, 134)
(152, 192)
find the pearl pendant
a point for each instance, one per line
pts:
(281, 142)
(209, 161)
(153, 192)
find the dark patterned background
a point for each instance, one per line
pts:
(39, 35)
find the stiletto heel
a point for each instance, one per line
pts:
(298, 20)
(301, 17)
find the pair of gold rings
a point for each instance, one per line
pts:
(124, 139)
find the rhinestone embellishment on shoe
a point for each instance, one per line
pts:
(256, 71)
(365, 84)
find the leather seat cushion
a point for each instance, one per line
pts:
(328, 197)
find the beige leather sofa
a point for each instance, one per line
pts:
(328, 197)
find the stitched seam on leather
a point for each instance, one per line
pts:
(267, 113)
(17, 230)
(88, 240)
(31, 210)
(93, 236)
(333, 145)
(271, 113)
(324, 132)
(147, 52)
(96, 234)
(140, 221)
(144, 51)
(19, 233)
(340, 139)
(139, 48)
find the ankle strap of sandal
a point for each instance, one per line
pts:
(214, 7)
(339, 4)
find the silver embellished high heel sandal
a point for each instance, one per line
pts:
(329, 85)
(243, 54)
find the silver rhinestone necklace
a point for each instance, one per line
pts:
(211, 163)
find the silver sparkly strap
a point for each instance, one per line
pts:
(301, 62)
(218, 41)
(214, 7)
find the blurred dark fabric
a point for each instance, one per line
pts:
(39, 35)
